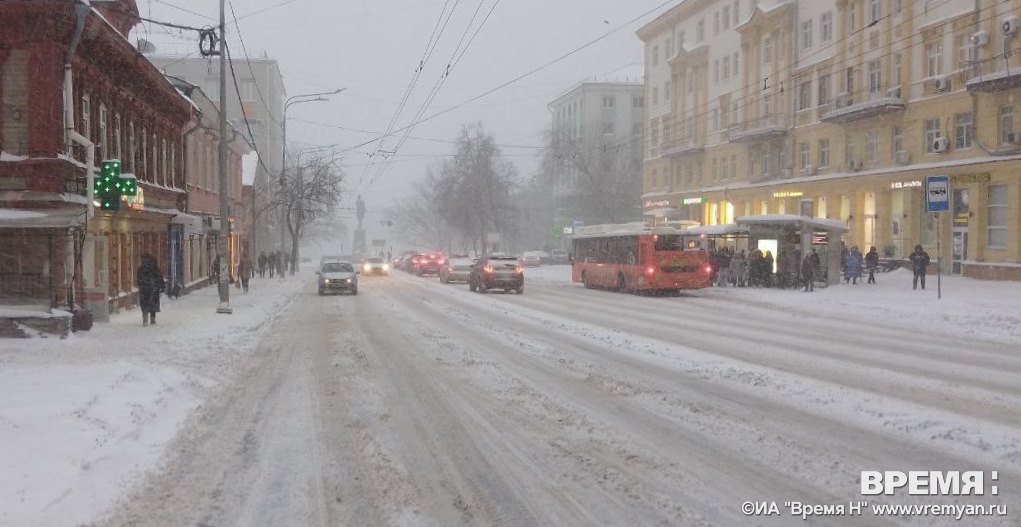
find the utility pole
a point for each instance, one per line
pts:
(221, 246)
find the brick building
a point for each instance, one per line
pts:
(71, 82)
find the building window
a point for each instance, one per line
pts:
(806, 34)
(655, 95)
(155, 161)
(248, 90)
(852, 15)
(715, 121)
(716, 71)
(654, 134)
(733, 63)
(826, 27)
(655, 55)
(163, 160)
(608, 128)
(1006, 123)
(805, 95)
(733, 165)
(143, 166)
(737, 12)
(716, 169)
(726, 68)
(997, 224)
(724, 168)
(609, 101)
(875, 77)
(849, 81)
(875, 11)
(872, 146)
(689, 81)
(104, 139)
(963, 132)
(767, 111)
(726, 18)
(897, 144)
(716, 23)
(932, 133)
(965, 51)
(851, 152)
(896, 70)
(86, 129)
(934, 55)
(824, 89)
(116, 144)
(767, 50)
(824, 153)
(678, 42)
(700, 30)
(132, 150)
(666, 91)
(636, 101)
(805, 154)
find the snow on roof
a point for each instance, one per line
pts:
(633, 72)
(40, 218)
(621, 229)
(718, 230)
(4, 156)
(822, 223)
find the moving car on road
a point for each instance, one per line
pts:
(497, 272)
(337, 277)
(457, 269)
(375, 266)
(532, 258)
(422, 264)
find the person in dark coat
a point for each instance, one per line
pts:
(245, 271)
(854, 265)
(262, 264)
(920, 264)
(808, 273)
(767, 269)
(272, 261)
(872, 263)
(150, 283)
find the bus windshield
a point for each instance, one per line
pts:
(668, 242)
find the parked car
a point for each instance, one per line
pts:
(497, 272)
(337, 277)
(423, 264)
(456, 269)
(531, 258)
(559, 257)
(376, 266)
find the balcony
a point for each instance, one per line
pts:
(992, 75)
(844, 109)
(760, 129)
(681, 147)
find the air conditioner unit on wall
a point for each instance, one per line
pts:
(980, 38)
(940, 145)
(941, 84)
(1010, 25)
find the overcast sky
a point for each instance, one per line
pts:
(372, 48)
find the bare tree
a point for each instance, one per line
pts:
(418, 218)
(310, 191)
(597, 180)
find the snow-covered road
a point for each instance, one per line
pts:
(417, 403)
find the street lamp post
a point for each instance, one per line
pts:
(290, 101)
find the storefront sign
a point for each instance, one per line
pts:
(693, 201)
(915, 183)
(971, 178)
(788, 194)
(655, 203)
(136, 202)
(568, 230)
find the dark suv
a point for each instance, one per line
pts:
(497, 272)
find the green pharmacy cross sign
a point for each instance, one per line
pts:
(112, 184)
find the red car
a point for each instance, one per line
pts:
(422, 264)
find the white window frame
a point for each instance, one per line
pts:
(1006, 122)
(726, 17)
(655, 55)
(875, 76)
(104, 137)
(875, 11)
(964, 133)
(896, 141)
(997, 204)
(805, 155)
(932, 133)
(806, 34)
(117, 152)
(934, 59)
(700, 30)
(725, 66)
(804, 95)
(872, 146)
(824, 94)
(824, 153)
(826, 27)
(86, 116)
(609, 102)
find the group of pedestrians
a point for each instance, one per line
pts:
(276, 262)
(736, 268)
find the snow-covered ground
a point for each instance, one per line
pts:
(419, 403)
(986, 309)
(82, 419)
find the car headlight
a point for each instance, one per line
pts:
(348, 280)
(366, 267)
(386, 267)
(326, 280)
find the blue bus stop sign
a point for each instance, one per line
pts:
(937, 193)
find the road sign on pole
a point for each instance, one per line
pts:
(937, 193)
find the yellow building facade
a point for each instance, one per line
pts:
(842, 109)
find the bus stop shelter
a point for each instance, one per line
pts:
(788, 235)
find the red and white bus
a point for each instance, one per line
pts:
(635, 258)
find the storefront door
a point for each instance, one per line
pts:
(962, 215)
(960, 246)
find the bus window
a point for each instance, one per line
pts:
(668, 242)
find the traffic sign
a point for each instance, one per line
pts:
(937, 193)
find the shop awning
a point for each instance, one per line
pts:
(41, 218)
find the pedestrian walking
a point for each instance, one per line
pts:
(767, 269)
(272, 262)
(245, 271)
(808, 273)
(739, 269)
(919, 264)
(150, 283)
(262, 264)
(872, 263)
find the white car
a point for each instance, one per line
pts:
(532, 258)
(337, 277)
(377, 266)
